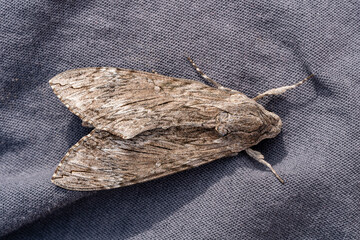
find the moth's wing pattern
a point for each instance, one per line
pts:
(102, 160)
(127, 102)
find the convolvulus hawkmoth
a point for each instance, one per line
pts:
(148, 125)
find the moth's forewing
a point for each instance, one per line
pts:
(102, 160)
(127, 102)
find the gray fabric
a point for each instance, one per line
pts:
(250, 46)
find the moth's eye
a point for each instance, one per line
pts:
(222, 130)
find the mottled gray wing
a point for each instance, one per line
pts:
(103, 161)
(127, 102)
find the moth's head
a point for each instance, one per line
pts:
(249, 121)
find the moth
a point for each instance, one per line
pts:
(147, 125)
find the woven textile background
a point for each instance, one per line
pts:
(249, 46)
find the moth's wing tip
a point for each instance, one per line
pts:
(80, 187)
(66, 75)
(58, 79)
(54, 80)
(68, 183)
(61, 181)
(57, 179)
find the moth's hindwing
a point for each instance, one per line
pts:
(127, 102)
(102, 160)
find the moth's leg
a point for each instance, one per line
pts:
(260, 158)
(153, 71)
(281, 90)
(217, 85)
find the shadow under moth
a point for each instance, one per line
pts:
(147, 125)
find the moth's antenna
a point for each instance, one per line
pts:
(203, 74)
(281, 90)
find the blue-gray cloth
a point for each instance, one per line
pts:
(249, 46)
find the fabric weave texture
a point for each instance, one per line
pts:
(250, 46)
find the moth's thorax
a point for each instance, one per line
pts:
(248, 121)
